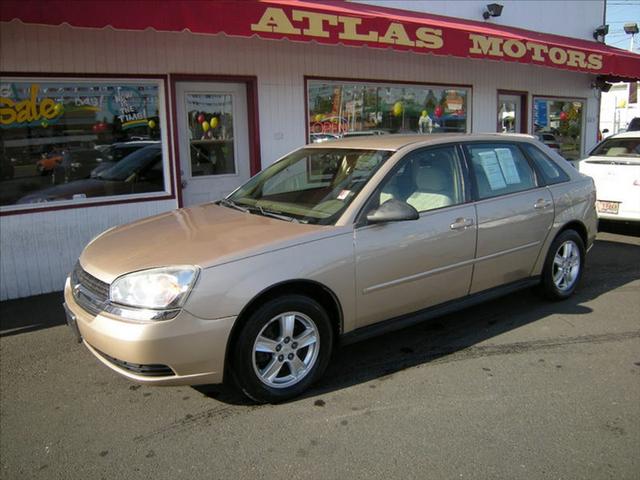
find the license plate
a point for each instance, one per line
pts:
(72, 322)
(607, 207)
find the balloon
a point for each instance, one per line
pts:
(438, 111)
(201, 118)
(58, 109)
(424, 113)
(213, 123)
(152, 124)
(397, 109)
(563, 116)
(205, 125)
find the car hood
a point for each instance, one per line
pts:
(204, 235)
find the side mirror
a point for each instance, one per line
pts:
(393, 211)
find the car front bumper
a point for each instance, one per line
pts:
(185, 350)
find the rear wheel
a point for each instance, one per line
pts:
(282, 349)
(563, 266)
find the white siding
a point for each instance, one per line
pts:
(38, 249)
(570, 18)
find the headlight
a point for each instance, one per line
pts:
(158, 288)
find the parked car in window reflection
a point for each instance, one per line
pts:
(139, 172)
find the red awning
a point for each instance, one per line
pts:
(335, 22)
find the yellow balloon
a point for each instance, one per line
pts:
(424, 113)
(397, 109)
(152, 124)
(205, 125)
(58, 109)
(213, 123)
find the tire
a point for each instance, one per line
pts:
(278, 367)
(563, 266)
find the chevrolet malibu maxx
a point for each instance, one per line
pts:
(333, 243)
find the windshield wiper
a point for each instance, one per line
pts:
(231, 204)
(278, 215)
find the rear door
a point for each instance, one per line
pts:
(515, 212)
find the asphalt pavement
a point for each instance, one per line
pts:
(517, 388)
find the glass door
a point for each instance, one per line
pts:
(213, 139)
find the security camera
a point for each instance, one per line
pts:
(493, 10)
(600, 31)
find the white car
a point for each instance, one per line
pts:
(614, 165)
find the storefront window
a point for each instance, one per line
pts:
(342, 109)
(210, 121)
(72, 140)
(558, 124)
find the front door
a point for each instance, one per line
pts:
(213, 139)
(402, 267)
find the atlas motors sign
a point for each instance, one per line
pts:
(378, 32)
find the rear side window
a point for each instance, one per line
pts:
(551, 172)
(500, 169)
(618, 147)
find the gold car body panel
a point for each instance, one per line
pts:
(193, 348)
(511, 232)
(373, 278)
(402, 267)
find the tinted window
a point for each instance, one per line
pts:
(500, 169)
(426, 180)
(551, 172)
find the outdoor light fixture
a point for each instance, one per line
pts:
(493, 10)
(630, 28)
(600, 31)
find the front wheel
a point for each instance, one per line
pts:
(282, 349)
(563, 266)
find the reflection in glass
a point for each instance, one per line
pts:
(55, 136)
(210, 123)
(507, 116)
(349, 109)
(558, 124)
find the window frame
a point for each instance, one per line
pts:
(560, 98)
(168, 159)
(467, 196)
(387, 83)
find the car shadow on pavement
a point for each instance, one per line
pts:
(458, 336)
(31, 313)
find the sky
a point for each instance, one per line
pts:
(618, 13)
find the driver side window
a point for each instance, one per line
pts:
(427, 179)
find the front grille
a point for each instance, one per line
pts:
(152, 370)
(90, 293)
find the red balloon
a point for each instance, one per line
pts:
(438, 111)
(201, 118)
(563, 116)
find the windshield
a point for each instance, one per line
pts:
(619, 147)
(132, 163)
(311, 185)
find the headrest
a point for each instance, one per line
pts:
(432, 179)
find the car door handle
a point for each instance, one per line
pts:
(461, 223)
(541, 204)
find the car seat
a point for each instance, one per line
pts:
(433, 189)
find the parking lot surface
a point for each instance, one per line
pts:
(515, 388)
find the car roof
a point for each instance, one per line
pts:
(397, 141)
